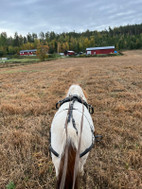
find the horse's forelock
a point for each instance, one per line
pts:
(75, 89)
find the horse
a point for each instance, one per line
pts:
(72, 137)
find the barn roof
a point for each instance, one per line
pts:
(100, 48)
(32, 50)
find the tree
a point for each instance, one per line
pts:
(47, 36)
(3, 43)
(65, 46)
(3, 39)
(52, 35)
(12, 50)
(16, 42)
(42, 51)
(42, 36)
(34, 36)
(1, 53)
(30, 38)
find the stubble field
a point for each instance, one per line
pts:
(28, 95)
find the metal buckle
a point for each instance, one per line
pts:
(98, 138)
(91, 109)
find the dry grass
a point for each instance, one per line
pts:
(27, 105)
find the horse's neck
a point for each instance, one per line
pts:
(68, 182)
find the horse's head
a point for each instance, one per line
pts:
(77, 90)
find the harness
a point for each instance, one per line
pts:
(72, 99)
(75, 98)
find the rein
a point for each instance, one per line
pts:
(66, 152)
(78, 151)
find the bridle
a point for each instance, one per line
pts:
(75, 98)
(72, 100)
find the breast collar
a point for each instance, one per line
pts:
(72, 99)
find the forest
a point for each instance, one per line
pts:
(123, 37)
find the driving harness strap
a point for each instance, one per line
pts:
(97, 139)
(81, 155)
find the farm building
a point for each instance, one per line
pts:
(100, 50)
(28, 52)
(69, 53)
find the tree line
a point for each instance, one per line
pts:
(123, 37)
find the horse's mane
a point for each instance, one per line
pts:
(70, 168)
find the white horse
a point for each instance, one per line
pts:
(73, 110)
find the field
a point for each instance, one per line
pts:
(28, 94)
(24, 60)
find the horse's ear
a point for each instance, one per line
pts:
(85, 94)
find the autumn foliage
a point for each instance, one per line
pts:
(42, 51)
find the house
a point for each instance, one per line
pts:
(3, 59)
(100, 50)
(28, 52)
(69, 53)
(61, 54)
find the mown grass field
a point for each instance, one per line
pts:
(28, 94)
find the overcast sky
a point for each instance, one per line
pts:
(60, 16)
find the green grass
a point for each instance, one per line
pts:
(19, 71)
(27, 59)
(11, 185)
(18, 60)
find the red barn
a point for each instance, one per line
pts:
(100, 50)
(69, 53)
(28, 52)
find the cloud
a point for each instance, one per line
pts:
(67, 15)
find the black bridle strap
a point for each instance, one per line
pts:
(53, 151)
(87, 150)
(75, 98)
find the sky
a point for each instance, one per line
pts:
(34, 16)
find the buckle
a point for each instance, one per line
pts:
(98, 138)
